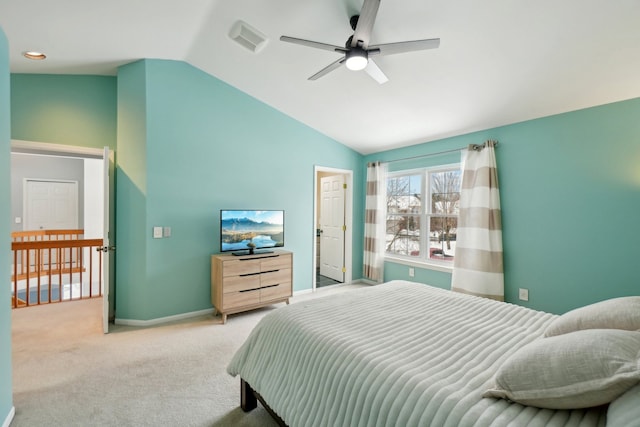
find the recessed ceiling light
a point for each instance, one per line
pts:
(36, 56)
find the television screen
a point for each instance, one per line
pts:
(250, 230)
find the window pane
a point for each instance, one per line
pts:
(404, 194)
(403, 235)
(442, 238)
(445, 192)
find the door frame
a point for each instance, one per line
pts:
(60, 150)
(348, 215)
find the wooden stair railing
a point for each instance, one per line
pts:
(44, 258)
(50, 256)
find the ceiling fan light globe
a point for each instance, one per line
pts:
(357, 62)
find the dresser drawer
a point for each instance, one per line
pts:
(275, 292)
(240, 283)
(275, 277)
(237, 267)
(239, 299)
(276, 263)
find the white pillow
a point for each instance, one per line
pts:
(625, 410)
(615, 313)
(576, 370)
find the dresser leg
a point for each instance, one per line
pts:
(287, 301)
(224, 318)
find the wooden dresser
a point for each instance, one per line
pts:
(241, 283)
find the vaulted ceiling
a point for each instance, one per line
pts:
(499, 61)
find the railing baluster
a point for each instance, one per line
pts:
(28, 271)
(70, 273)
(38, 270)
(49, 275)
(80, 253)
(60, 260)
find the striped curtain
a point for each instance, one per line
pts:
(477, 266)
(374, 222)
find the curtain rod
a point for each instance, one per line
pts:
(471, 146)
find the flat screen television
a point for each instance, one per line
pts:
(251, 231)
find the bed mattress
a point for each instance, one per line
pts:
(396, 354)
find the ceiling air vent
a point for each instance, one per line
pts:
(248, 36)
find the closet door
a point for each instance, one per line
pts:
(50, 205)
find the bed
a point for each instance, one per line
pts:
(408, 354)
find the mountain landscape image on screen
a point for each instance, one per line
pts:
(237, 232)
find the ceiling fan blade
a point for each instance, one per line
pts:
(375, 72)
(317, 45)
(328, 69)
(367, 18)
(401, 47)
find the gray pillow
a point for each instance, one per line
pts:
(615, 313)
(576, 370)
(625, 410)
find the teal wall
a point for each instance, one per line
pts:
(64, 109)
(188, 146)
(570, 196)
(6, 392)
(131, 286)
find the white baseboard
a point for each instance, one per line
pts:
(365, 282)
(7, 421)
(160, 320)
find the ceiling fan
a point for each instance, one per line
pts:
(357, 51)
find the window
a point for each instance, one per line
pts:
(422, 214)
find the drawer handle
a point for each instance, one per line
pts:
(271, 286)
(258, 273)
(249, 290)
(250, 274)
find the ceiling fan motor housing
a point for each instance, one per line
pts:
(357, 59)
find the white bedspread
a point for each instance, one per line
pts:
(396, 354)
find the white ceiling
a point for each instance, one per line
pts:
(499, 61)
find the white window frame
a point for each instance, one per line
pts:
(423, 261)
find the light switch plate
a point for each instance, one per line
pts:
(167, 232)
(157, 232)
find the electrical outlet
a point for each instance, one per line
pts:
(157, 232)
(523, 294)
(412, 271)
(167, 232)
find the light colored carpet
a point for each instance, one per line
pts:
(66, 372)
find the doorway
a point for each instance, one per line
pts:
(333, 206)
(45, 175)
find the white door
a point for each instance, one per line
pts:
(106, 249)
(332, 224)
(50, 205)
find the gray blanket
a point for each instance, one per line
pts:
(397, 354)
